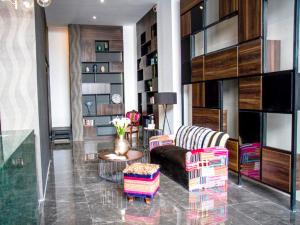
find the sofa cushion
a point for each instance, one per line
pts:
(194, 137)
(174, 154)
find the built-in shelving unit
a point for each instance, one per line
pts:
(147, 72)
(100, 81)
(238, 67)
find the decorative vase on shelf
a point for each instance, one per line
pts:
(87, 69)
(95, 68)
(121, 145)
(102, 69)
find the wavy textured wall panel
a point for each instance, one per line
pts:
(75, 75)
(18, 89)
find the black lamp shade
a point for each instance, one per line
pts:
(165, 98)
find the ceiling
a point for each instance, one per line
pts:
(111, 12)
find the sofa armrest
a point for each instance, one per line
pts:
(213, 156)
(161, 140)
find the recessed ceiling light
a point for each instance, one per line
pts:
(94, 17)
(102, 1)
(201, 7)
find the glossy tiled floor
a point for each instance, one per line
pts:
(77, 196)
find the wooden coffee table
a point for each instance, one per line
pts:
(112, 169)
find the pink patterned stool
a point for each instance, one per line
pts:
(141, 180)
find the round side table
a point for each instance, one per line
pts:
(112, 169)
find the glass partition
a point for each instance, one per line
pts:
(187, 96)
(222, 35)
(279, 131)
(212, 11)
(280, 33)
(230, 106)
(198, 44)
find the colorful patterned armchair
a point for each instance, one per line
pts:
(133, 128)
(198, 154)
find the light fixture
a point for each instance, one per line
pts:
(94, 17)
(28, 4)
(44, 3)
(201, 7)
(102, 1)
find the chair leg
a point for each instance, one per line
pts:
(131, 139)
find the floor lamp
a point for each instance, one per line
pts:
(165, 99)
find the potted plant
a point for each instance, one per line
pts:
(121, 144)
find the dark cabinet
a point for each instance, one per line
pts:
(197, 18)
(250, 19)
(213, 94)
(250, 128)
(186, 72)
(277, 92)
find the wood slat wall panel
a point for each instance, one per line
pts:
(198, 68)
(109, 109)
(89, 32)
(276, 169)
(116, 46)
(227, 7)
(186, 5)
(198, 95)
(88, 51)
(207, 118)
(116, 67)
(221, 65)
(250, 93)
(250, 19)
(233, 147)
(186, 24)
(250, 58)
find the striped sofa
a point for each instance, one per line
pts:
(196, 157)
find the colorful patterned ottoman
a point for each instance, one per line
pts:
(141, 180)
(207, 168)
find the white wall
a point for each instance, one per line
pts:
(130, 65)
(169, 62)
(59, 76)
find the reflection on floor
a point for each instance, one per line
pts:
(76, 195)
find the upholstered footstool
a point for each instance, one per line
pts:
(141, 180)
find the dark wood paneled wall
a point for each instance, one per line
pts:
(186, 24)
(251, 93)
(186, 5)
(250, 19)
(233, 147)
(207, 118)
(221, 65)
(88, 35)
(276, 169)
(250, 58)
(198, 69)
(198, 95)
(227, 7)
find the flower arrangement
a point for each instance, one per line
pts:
(121, 125)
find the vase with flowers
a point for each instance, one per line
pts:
(121, 144)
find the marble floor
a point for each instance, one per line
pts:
(77, 196)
